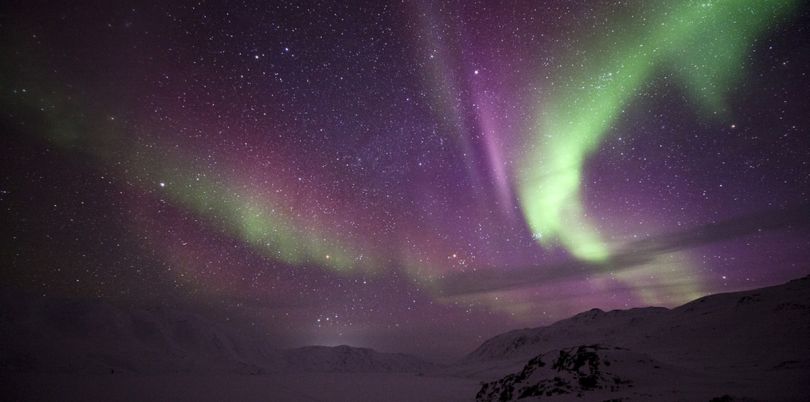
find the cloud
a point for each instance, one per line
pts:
(632, 255)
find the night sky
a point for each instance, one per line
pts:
(411, 176)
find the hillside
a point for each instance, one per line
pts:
(752, 343)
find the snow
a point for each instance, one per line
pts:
(746, 344)
(750, 345)
(234, 387)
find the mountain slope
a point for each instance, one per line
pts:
(774, 319)
(51, 335)
(750, 344)
(94, 336)
(349, 359)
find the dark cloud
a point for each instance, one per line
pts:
(633, 255)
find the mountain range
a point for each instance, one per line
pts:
(749, 345)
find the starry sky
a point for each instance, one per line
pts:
(411, 176)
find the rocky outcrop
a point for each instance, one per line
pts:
(572, 371)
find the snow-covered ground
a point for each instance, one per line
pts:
(234, 387)
(748, 345)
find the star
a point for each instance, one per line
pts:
(357, 180)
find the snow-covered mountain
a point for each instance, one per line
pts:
(751, 343)
(770, 322)
(348, 359)
(748, 345)
(94, 336)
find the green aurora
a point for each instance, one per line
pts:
(702, 43)
(268, 224)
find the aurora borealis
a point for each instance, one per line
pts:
(693, 39)
(408, 175)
